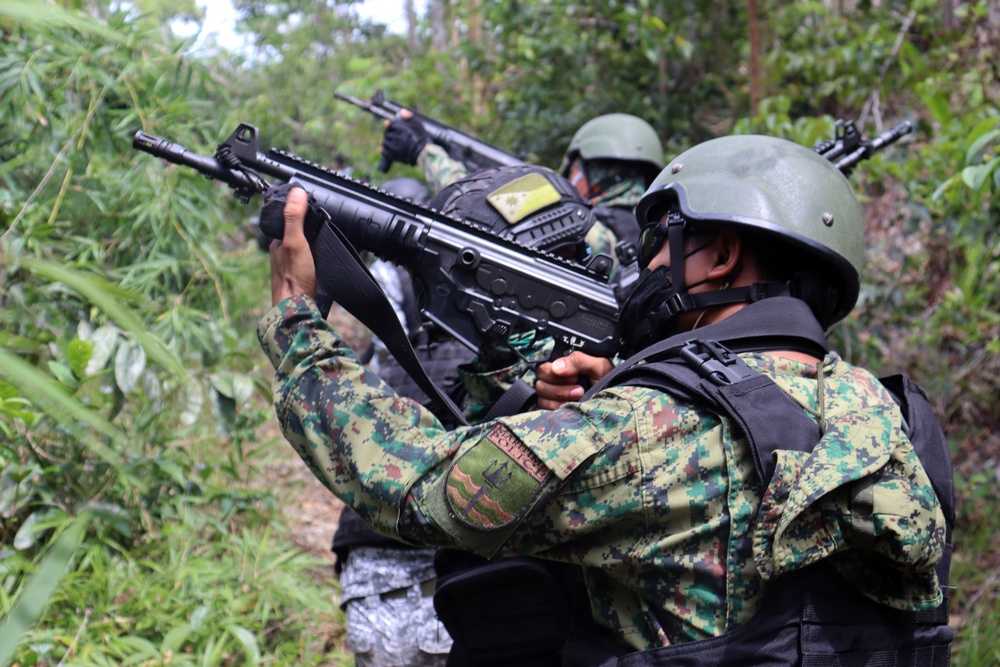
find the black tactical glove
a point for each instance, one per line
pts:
(403, 141)
(271, 221)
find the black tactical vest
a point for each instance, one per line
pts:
(497, 612)
(811, 617)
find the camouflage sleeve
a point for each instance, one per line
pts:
(440, 169)
(393, 461)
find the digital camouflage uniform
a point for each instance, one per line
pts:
(387, 593)
(650, 496)
(386, 588)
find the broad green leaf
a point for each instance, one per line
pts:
(977, 146)
(224, 409)
(976, 176)
(27, 534)
(151, 386)
(104, 340)
(7, 390)
(78, 353)
(242, 389)
(35, 595)
(63, 373)
(193, 401)
(13, 493)
(236, 386)
(130, 362)
(18, 343)
(103, 295)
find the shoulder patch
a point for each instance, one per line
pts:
(523, 196)
(492, 484)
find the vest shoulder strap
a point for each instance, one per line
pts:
(709, 374)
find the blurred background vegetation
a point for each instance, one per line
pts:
(134, 416)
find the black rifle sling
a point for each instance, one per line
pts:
(511, 402)
(342, 276)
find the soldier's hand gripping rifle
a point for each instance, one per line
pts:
(475, 285)
(848, 147)
(476, 155)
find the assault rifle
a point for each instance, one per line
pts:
(848, 147)
(476, 155)
(475, 285)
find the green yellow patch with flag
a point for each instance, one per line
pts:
(494, 483)
(523, 196)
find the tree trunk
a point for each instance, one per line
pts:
(439, 35)
(411, 25)
(755, 82)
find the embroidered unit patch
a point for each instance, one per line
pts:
(492, 485)
(523, 196)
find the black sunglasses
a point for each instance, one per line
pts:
(654, 235)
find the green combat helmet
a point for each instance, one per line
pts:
(616, 136)
(789, 202)
(532, 205)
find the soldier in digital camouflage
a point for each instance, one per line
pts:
(659, 498)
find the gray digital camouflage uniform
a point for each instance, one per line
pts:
(648, 495)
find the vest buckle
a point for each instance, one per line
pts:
(715, 362)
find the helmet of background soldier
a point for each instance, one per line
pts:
(409, 188)
(532, 205)
(617, 136)
(789, 202)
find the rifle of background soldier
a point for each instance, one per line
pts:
(476, 155)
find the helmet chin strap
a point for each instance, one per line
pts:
(682, 301)
(701, 315)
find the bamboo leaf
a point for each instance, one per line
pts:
(32, 11)
(249, 642)
(66, 410)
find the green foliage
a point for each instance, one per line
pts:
(201, 588)
(36, 593)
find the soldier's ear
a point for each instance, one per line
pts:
(728, 250)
